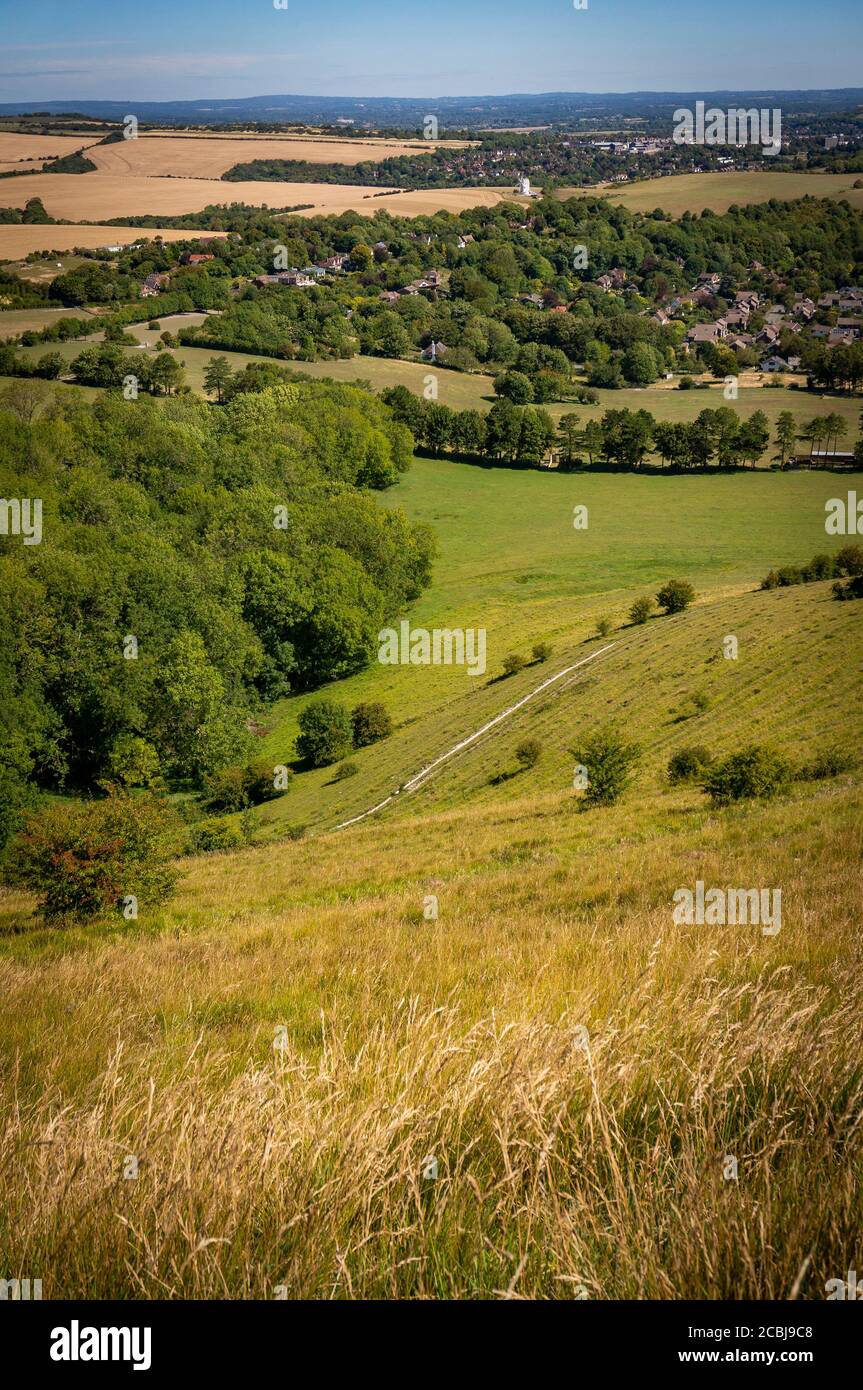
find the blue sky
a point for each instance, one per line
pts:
(174, 49)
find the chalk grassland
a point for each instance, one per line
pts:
(209, 157)
(22, 149)
(16, 241)
(679, 193)
(96, 196)
(579, 1067)
(546, 581)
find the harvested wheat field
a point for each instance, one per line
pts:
(85, 197)
(20, 241)
(209, 156)
(15, 148)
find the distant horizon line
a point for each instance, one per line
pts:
(466, 96)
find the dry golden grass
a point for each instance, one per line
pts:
(89, 197)
(560, 1169)
(209, 156)
(15, 148)
(17, 241)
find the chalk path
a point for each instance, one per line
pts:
(419, 777)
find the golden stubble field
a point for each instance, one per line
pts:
(209, 156)
(96, 196)
(20, 241)
(15, 148)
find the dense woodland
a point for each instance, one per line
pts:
(195, 563)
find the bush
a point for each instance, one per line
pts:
(217, 834)
(370, 722)
(675, 595)
(232, 788)
(325, 733)
(688, 764)
(529, 752)
(610, 761)
(789, 575)
(852, 588)
(819, 567)
(828, 762)
(345, 770)
(603, 627)
(753, 772)
(641, 610)
(84, 858)
(541, 651)
(513, 663)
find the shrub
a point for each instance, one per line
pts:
(610, 761)
(325, 733)
(513, 663)
(819, 567)
(752, 772)
(370, 722)
(541, 651)
(232, 788)
(849, 560)
(218, 834)
(688, 764)
(788, 575)
(529, 752)
(852, 588)
(83, 858)
(603, 627)
(345, 770)
(641, 610)
(675, 595)
(828, 762)
(154, 324)
(770, 581)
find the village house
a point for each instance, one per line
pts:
(707, 332)
(196, 257)
(154, 284)
(434, 352)
(334, 263)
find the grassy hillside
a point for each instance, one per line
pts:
(510, 561)
(290, 1049)
(579, 1068)
(679, 193)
